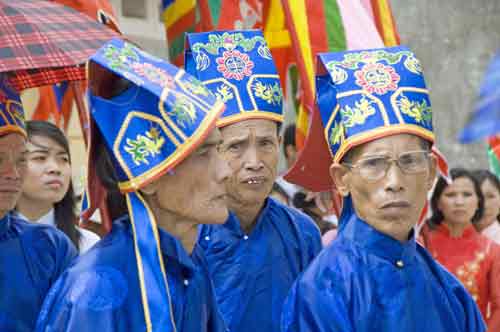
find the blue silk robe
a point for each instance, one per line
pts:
(32, 257)
(253, 273)
(366, 281)
(100, 291)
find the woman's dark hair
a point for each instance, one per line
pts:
(482, 175)
(64, 210)
(105, 170)
(108, 87)
(455, 173)
(289, 135)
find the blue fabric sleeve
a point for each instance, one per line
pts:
(74, 307)
(49, 252)
(309, 231)
(307, 309)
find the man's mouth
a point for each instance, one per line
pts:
(255, 180)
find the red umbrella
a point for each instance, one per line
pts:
(44, 43)
(99, 10)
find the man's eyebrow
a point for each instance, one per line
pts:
(235, 139)
(210, 143)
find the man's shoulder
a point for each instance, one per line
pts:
(40, 235)
(97, 286)
(332, 269)
(300, 219)
(439, 272)
(114, 249)
(98, 279)
(89, 292)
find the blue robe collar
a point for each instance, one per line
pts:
(382, 245)
(172, 248)
(233, 223)
(4, 224)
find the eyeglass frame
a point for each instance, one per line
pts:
(390, 161)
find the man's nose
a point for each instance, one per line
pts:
(394, 178)
(252, 159)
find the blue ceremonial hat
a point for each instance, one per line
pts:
(364, 95)
(237, 66)
(158, 115)
(361, 96)
(11, 109)
(157, 121)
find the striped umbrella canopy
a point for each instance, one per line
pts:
(44, 43)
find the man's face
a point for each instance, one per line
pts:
(12, 169)
(251, 149)
(393, 203)
(195, 190)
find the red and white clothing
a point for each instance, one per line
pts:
(492, 232)
(475, 261)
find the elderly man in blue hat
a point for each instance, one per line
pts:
(31, 256)
(264, 245)
(376, 121)
(154, 148)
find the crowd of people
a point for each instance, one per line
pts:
(205, 235)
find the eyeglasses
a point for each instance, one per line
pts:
(376, 167)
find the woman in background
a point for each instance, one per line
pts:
(48, 195)
(489, 225)
(451, 238)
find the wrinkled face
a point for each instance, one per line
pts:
(48, 173)
(491, 202)
(195, 190)
(251, 148)
(12, 169)
(458, 202)
(393, 203)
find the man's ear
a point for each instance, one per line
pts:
(432, 172)
(340, 176)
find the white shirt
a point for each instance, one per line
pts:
(492, 232)
(87, 239)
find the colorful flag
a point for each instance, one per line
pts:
(494, 154)
(384, 20)
(55, 103)
(179, 17)
(349, 27)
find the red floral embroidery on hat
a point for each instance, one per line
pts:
(154, 74)
(234, 65)
(377, 78)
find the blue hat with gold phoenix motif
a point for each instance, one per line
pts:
(11, 109)
(158, 115)
(361, 96)
(156, 122)
(237, 66)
